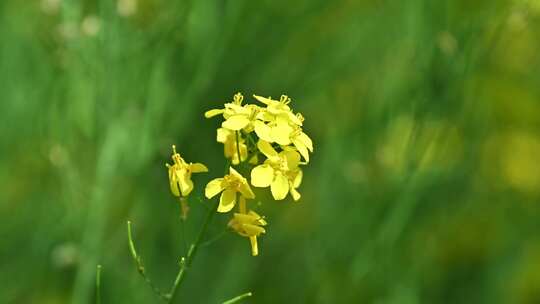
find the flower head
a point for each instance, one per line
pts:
(280, 123)
(237, 101)
(237, 116)
(180, 174)
(229, 186)
(279, 171)
(249, 225)
(279, 108)
(301, 142)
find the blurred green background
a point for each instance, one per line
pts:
(424, 186)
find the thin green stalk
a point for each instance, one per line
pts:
(238, 298)
(185, 263)
(251, 140)
(98, 284)
(140, 266)
(184, 209)
(215, 238)
(238, 147)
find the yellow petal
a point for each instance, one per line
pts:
(266, 116)
(235, 122)
(229, 149)
(275, 109)
(262, 130)
(173, 182)
(306, 140)
(281, 134)
(266, 149)
(213, 112)
(253, 230)
(236, 109)
(292, 158)
(293, 118)
(214, 187)
(174, 188)
(244, 218)
(227, 201)
(264, 100)
(262, 176)
(295, 194)
(259, 219)
(279, 187)
(198, 167)
(235, 173)
(186, 185)
(246, 191)
(223, 135)
(298, 179)
(301, 148)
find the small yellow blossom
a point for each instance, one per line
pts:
(295, 179)
(248, 224)
(180, 174)
(229, 185)
(245, 117)
(237, 101)
(280, 121)
(279, 108)
(301, 141)
(228, 138)
(237, 116)
(280, 171)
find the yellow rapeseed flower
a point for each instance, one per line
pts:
(237, 116)
(279, 121)
(229, 185)
(237, 100)
(301, 141)
(280, 171)
(242, 117)
(180, 174)
(248, 224)
(279, 108)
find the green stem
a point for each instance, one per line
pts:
(238, 147)
(185, 263)
(238, 298)
(98, 284)
(251, 140)
(140, 266)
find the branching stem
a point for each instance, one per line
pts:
(185, 263)
(140, 266)
(238, 298)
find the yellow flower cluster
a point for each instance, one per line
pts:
(248, 132)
